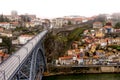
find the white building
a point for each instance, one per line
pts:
(37, 21)
(7, 33)
(5, 25)
(24, 38)
(80, 60)
(84, 20)
(66, 60)
(97, 25)
(57, 22)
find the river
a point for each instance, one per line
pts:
(113, 76)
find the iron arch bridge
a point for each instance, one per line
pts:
(28, 63)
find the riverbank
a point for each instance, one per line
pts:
(81, 70)
(62, 73)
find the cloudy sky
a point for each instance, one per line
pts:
(59, 8)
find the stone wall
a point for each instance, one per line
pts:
(107, 69)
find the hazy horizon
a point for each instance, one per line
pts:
(60, 8)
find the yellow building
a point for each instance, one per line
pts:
(100, 34)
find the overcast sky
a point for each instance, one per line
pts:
(59, 8)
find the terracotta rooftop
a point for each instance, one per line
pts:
(3, 54)
(26, 35)
(66, 57)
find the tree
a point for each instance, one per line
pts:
(6, 19)
(101, 18)
(3, 19)
(69, 23)
(7, 43)
(117, 25)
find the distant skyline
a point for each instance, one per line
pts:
(60, 8)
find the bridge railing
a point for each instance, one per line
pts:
(10, 66)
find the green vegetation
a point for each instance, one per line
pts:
(20, 29)
(101, 18)
(115, 47)
(74, 35)
(30, 31)
(49, 46)
(7, 43)
(3, 19)
(117, 25)
(61, 39)
(57, 45)
(69, 23)
(118, 48)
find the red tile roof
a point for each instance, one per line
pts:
(97, 23)
(14, 23)
(3, 54)
(66, 57)
(4, 23)
(77, 19)
(26, 35)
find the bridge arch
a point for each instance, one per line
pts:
(40, 60)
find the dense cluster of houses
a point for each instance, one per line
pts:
(68, 20)
(32, 23)
(17, 21)
(93, 48)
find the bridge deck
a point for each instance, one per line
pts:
(9, 67)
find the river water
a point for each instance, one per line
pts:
(113, 76)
